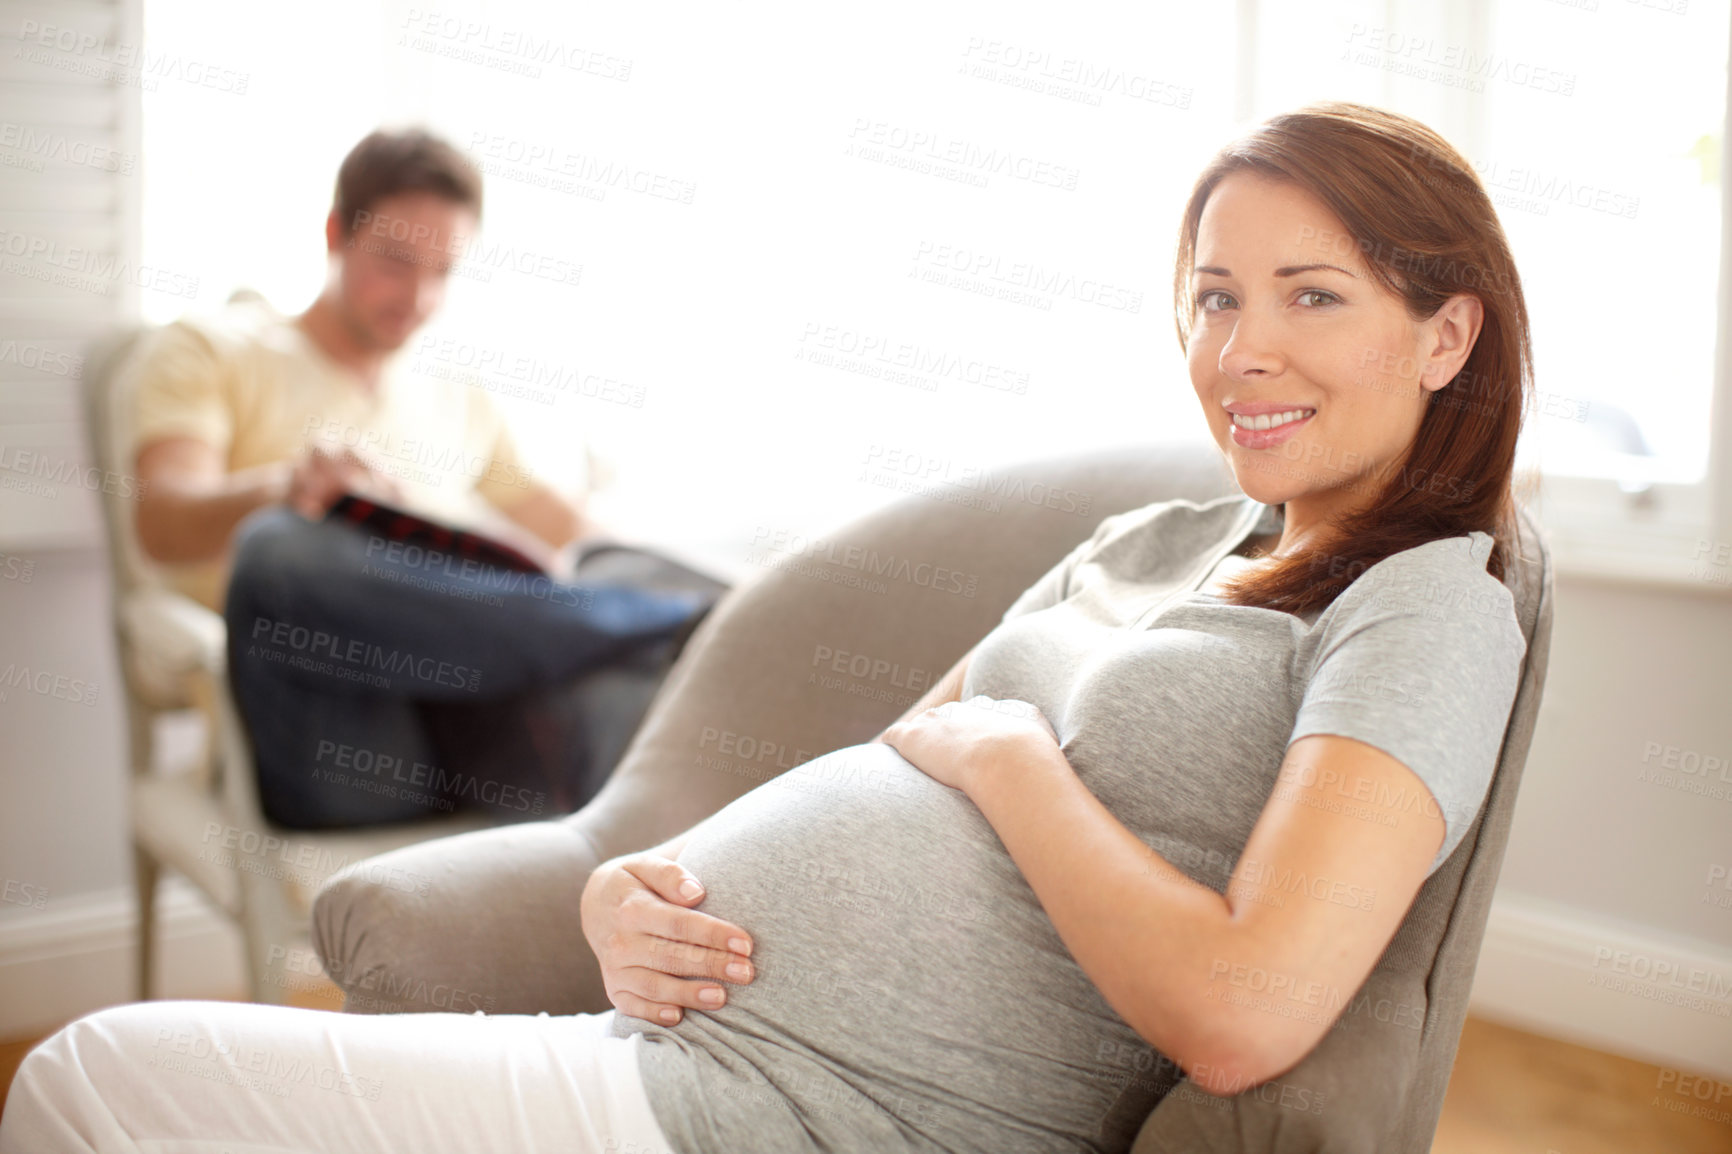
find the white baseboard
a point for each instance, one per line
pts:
(78, 954)
(1537, 970)
(1615, 986)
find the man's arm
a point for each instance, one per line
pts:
(190, 504)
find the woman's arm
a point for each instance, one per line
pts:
(1235, 988)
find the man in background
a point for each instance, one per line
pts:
(380, 682)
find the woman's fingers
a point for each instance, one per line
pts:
(679, 943)
(682, 958)
(662, 957)
(671, 881)
(659, 997)
(667, 877)
(660, 976)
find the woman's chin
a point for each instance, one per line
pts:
(1254, 480)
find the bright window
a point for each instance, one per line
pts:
(824, 255)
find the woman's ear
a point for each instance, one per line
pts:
(1448, 337)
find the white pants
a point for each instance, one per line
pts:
(237, 1078)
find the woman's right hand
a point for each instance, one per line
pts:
(657, 955)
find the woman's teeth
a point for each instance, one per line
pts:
(1270, 420)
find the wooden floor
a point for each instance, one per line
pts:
(1515, 1093)
(1510, 1093)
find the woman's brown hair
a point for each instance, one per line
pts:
(1417, 214)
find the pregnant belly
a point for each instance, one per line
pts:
(855, 873)
(898, 947)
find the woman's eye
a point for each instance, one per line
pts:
(1321, 297)
(1206, 295)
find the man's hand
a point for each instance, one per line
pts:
(322, 474)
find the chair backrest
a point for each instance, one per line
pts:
(108, 430)
(836, 638)
(1459, 905)
(152, 681)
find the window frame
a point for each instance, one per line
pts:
(1657, 533)
(1642, 532)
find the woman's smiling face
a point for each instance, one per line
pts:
(1287, 320)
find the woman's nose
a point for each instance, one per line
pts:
(1250, 348)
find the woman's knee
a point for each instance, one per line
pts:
(41, 1090)
(123, 1033)
(54, 1087)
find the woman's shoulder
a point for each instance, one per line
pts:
(1462, 558)
(1445, 579)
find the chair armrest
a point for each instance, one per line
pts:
(497, 926)
(173, 633)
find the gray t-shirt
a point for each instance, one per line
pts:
(911, 992)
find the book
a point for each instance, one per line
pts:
(522, 554)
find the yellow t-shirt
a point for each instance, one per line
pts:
(253, 384)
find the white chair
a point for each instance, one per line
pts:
(204, 821)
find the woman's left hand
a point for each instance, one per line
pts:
(957, 741)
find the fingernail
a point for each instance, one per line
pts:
(670, 1016)
(690, 888)
(739, 970)
(740, 946)
(712, 995)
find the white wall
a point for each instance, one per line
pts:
(1608, 877)
(62, 764)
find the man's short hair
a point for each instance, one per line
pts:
(390, 161)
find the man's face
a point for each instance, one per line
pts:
(395, 263)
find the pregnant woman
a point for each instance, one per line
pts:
(1160, 822)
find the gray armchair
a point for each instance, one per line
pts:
(500, 924)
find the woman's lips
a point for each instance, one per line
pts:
(1265, 438)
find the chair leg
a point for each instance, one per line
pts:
(268, 928)
(266, 933)
(144, 878)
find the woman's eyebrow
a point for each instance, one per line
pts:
(1285, 270)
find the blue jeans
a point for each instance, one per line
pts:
(380, 683)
